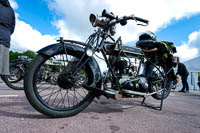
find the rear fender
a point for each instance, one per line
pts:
(58, 48)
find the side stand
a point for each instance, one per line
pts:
(158, 107)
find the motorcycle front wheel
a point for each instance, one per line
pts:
(67, 96)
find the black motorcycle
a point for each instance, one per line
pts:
(17, 70)
(80, 80)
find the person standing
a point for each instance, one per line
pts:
(198, 82)
(7, 26)
(183, 72)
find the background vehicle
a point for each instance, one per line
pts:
(17, 70)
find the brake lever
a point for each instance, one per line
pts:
(137, 21)
(142, 24)
(134, 18)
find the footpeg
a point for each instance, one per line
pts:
(113, 94)
(118, 96)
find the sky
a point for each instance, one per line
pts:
(40, 22)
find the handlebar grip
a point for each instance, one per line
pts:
(107, 14)
(142, 20)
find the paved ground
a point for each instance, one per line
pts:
(180, 114)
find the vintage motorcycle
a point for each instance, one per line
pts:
(17, 70)
(80, 79)
(49, 74)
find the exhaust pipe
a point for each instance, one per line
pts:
(139, 93)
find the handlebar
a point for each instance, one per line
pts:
(141, 20)
(113, 20)
(125, 18)
(111, 16)
(132, 17)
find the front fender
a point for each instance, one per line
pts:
(51, 50)
(54, 49)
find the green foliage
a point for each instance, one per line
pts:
(29, 53)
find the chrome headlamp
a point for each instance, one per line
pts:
(89, 52)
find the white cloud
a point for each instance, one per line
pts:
(190, 49)
(159, 12)
(184, 52)
(74, 21)
(76, 14)
(64, 32)
(194, 39)
(13, 4)
(25, 37)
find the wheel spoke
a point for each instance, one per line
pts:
(57, 91)
(50, 94)
(68, 98)
(60, 101)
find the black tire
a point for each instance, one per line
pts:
(16, 79)
(160, 83)
(43, 104)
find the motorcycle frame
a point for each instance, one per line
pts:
(99, 48)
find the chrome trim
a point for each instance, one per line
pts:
(140, 93)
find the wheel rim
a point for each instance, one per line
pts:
(15, 75)
(159, 84)
(15, 80)
(58, 97)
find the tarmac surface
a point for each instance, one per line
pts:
(180, 114)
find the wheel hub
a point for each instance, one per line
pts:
(66, 80)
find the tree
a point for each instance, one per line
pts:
(28, 53)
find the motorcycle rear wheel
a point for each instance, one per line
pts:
(65, 98)
(160, 84)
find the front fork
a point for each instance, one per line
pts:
(115, 80)
(84, 58)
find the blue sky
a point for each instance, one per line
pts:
(40, 22)
(37, 14)
(178, 31)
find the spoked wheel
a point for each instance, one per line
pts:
(16, 78)
(160, 84)
(66, 96)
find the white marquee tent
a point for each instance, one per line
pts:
(193, 66)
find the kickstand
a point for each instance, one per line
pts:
(159, 107)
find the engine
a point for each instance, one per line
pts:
(127, 75)
(138, 84)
